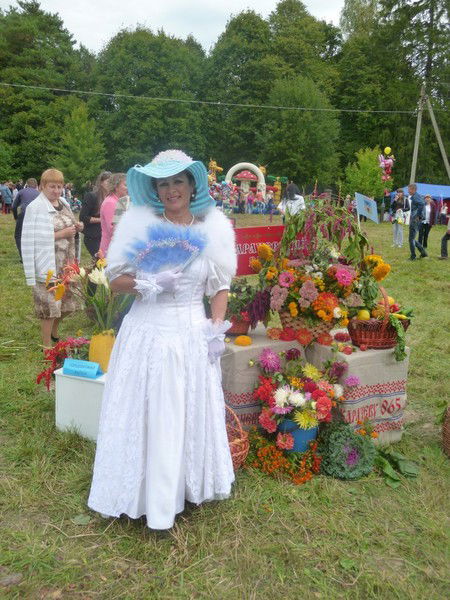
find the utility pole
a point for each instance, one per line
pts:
(438, 136)
(412, 178)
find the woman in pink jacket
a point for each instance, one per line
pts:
(118, 188)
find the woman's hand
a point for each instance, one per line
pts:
(80, 226)
(66, 233)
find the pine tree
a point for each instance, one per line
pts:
(81, 152)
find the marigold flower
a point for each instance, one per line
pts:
(272, 272)
(293, 308)
(296, 382)
(265, 252)
(381, 271)
(255, 264)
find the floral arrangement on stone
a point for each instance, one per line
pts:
(296, 397)
(307, 293)
(71, 347)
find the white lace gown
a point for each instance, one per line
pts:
(162, 437)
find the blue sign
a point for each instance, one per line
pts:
(366, 207)
(81, 368)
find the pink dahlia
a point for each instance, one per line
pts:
(285, 441)
(345, 275)
(269, 360)
(286, 279)
(266, 421)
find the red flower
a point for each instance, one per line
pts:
(304, 337)
(266, 421)
(325, 339)
(285, 441)
(288, 334)
(323, 408)
(347, 350)
(317, 394)
(363, 347)
(310, 387)
(264, 392)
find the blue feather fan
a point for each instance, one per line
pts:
(166, 247)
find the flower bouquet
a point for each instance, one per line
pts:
(296, 397)
(307, 293)
(240, 295)
(105, 307)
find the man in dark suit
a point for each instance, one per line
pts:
(417, 205)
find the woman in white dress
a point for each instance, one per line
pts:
(162, 436)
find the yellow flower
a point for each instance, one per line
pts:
(59, 290)
(255, 264)
(49, 277)
(380, 271)
(265, 252)
(305, 419)
(296, 382)
(344, 322)
(101, 263)
(322, 314)
(312, 372)
(293, 309)
(375, 258)
(284, 263)
(271, 273)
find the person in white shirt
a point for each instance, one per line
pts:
(295, 205)
(428, 220)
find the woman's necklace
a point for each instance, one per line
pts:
(185, 224)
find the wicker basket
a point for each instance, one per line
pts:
(237, 439)
(375, 333)
(239, 327)
(446, 433)
(297, 323)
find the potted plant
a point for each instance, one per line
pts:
(239, 297)
(105, 307)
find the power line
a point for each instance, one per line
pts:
(208, 102)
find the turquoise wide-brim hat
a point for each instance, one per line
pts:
(166, 164)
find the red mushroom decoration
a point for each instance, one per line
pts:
(245, 177)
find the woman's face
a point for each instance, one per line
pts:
(121, 189)
(105, 185)
(52, 190)
(175, 192)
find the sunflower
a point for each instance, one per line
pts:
(265, 252)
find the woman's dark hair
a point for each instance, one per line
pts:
(188, 174)
(98, 190)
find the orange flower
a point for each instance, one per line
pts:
(274, 333)
(293, 309)
(255, 264)
(243, 340)
(271, 273)
(304, 336)
(59, 290)
(380, 271)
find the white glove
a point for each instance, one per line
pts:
(150, 285)
(215, 336)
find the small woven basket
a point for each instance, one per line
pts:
(446, 433)
(237, 439)
(297, 323)
(238, 327)
(375, 333)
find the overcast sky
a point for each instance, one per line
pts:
(94, 22)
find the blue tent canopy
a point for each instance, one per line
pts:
(437, 192)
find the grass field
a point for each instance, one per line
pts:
(327, 539)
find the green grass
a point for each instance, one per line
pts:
(327, 539)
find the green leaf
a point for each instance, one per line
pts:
(393, 483)
(81, 519)
(347, 563)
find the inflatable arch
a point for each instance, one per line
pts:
(250, 167)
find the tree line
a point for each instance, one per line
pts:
(376, 60)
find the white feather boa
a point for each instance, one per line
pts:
(217, 228)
